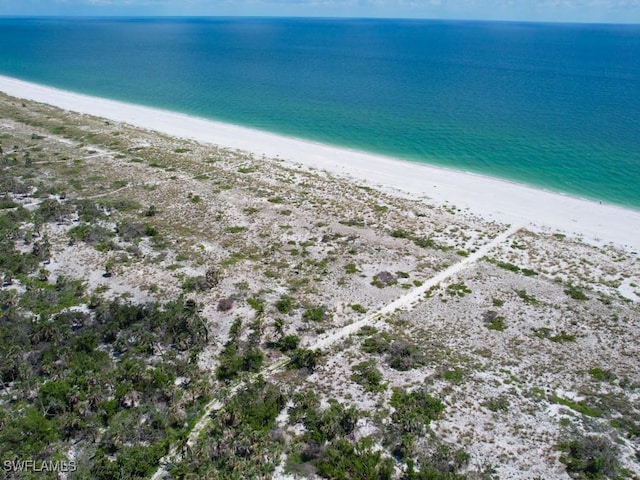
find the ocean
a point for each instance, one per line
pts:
(555, 106)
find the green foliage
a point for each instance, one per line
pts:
(458, 290)
(575, 292)
(356, 307)
(285, 304)
(400, 234)
(316, 314)
(353, 222)
(350, 268)
(51, 210)
(6, 204)
(526, 298)
(415, 410)
(404, 355)
(231, 363)
(258, 405)
(241, 439)
(498, 404)
(47, 299)
(454, 376)
(508, 266)
(54, 397)
(26, 433)
(256, 304)
(288, 343)
(590, 457)
(303, 358)
(326, 425)
(195, 284)
(379, 343)
(132, 462)
(602, 375)
(130, 231)
(580, 407)
(494, 322)
(345, 460)
(441, 464)
(562, 337)
(238, 357)
(91, 234)
(367, 374)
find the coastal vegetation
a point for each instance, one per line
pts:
(162, 313)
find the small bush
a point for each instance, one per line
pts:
(288, 343)
(526, 298)
(601, 375)
(497, 404)
(356, 307)
(458, 290)
(404, 356)
(380, 343)
(368, 375)
(590, 457)
(315, 314)
(350, 268)
(303, 358)
(454, 376)
(575, 293)
(285, 304)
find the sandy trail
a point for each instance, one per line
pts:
(414, 296)
(404, 302)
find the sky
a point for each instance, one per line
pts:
(601, 11)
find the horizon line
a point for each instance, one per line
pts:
(323, 17)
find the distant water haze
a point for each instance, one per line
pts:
(554, 106)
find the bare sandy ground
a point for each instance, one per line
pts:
(489, 197)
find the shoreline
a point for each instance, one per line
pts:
(492, 198)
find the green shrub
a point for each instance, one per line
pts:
(454, 376)
(580, 407)
(303, 358)
(288, 343)
(256, 304)
(344, 460)
(497, 404)
(575, 292)
(315, 314)
(602, 375)
(285, 304)
(404, 355)
(356, 307)
(379, 343)
(526, 298)
(494, 322)
(415, 410)
(590, 457)
(508, 266)
(367, 374)
(458, 290)
(350, 268)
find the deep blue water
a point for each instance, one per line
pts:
(552, 105)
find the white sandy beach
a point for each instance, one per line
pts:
(489, 197)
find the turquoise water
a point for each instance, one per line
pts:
(551, 105)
